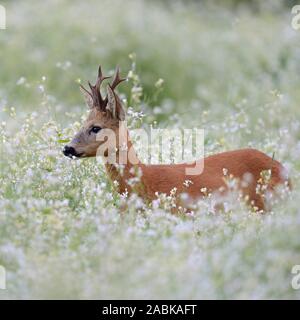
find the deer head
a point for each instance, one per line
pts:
(105, 113)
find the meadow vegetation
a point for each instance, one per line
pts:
(231, 69)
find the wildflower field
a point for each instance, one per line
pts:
(229, 67)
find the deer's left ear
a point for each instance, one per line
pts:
(114, 105)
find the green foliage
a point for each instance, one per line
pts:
(232, 72)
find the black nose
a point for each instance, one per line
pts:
(69, 151)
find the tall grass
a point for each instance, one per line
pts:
(232, 71)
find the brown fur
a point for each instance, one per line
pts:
(163, 178)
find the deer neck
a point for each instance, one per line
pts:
(125, 166)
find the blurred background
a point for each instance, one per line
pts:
(208, 53)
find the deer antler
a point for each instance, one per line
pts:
(117, 79)
(100, 79)
(95, 93)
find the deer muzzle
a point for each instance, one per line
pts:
(70, 152)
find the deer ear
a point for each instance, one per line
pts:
(114, 105)
(87, 97)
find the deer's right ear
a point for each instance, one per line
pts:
(87, 97)
(114, 105)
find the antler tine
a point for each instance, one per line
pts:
(84, 89)
(101, 102)
(117, 79)
(96, 96)
(100, 78)
(91, 86)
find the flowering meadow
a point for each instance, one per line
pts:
(230, 68)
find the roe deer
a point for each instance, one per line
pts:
(108, 113)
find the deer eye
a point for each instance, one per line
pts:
(95, 129)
